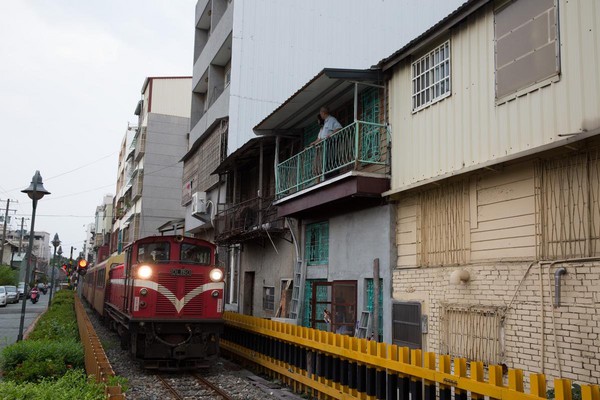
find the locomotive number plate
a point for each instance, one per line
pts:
(181, 272)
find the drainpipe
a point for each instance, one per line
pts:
(557, 274)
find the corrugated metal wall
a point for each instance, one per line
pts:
(172, 96)
(469, 128)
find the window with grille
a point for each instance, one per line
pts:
(431, 77)
(568, 206)
(269, 298)
(471, 332)
(406, 324)
(442, 223)
(317, 243)
(526, 44)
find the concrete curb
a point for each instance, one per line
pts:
(33, 324)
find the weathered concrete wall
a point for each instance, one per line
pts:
(269, 267)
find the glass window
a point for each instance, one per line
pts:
(153, 252)
(317, 243)
(269, 298)
(191, 253)
(431, 77)
(526, 43)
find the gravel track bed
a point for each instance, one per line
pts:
(144, 385)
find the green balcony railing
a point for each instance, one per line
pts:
(354, 147)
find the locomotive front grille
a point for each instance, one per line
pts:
(175, 284)
(164, 304)
(195, 306)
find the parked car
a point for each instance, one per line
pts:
(21, 290)
(12, 295)
(2, 296)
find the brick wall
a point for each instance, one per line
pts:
(576, 322)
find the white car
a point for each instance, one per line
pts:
(3, 299)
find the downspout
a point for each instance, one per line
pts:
(260, 185)
(557, 274)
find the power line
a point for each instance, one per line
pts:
(82, 166)
(64, 173)
(78, 193)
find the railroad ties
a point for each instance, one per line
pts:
(191, 386)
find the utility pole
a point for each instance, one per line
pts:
(21, 235)
(4, 231)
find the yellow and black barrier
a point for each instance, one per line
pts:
(327, 365)
(96, 362)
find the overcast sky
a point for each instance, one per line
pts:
(70, 78)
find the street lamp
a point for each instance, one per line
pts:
(35, 191)
(55, 242)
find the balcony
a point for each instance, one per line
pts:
(360, 147)
(140, 145)
(138, 186)
(248, 220)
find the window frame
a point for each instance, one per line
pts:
(431, 82)
(268, 299)
(538, 82)
(323, 240)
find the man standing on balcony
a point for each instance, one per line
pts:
(330, 124)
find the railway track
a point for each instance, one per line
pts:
(191, 386)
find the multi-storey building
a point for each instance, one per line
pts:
(495, 117)
(103, 229)
(87, 251)
(41, 243)
(247, 60)
(332, 189)
(148, 183)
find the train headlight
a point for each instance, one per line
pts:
(143, 291)
(144, 272)
(216, 275)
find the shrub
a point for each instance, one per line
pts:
(72, 385)
(8, 276)
(31, 360)
(60, 321)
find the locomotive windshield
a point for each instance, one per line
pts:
(153, 252)
(190, 253)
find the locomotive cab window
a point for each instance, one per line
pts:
(153, 252)
(191, 253)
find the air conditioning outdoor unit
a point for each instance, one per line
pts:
(198, 203)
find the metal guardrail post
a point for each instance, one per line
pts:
(368, 369)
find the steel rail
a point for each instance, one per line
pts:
(170, 388)
(213, 387)
(204, 382)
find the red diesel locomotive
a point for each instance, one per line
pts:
(165, 301)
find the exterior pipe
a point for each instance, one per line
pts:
(557, 274)
(550, 265)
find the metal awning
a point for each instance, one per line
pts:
(332, 87)
(249, 152)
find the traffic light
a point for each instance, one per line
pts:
(82, 265)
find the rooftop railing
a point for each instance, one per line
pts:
(357, 146)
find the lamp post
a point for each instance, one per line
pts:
(35, 191)
(55, 243)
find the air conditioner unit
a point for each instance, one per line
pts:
(198, 203)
